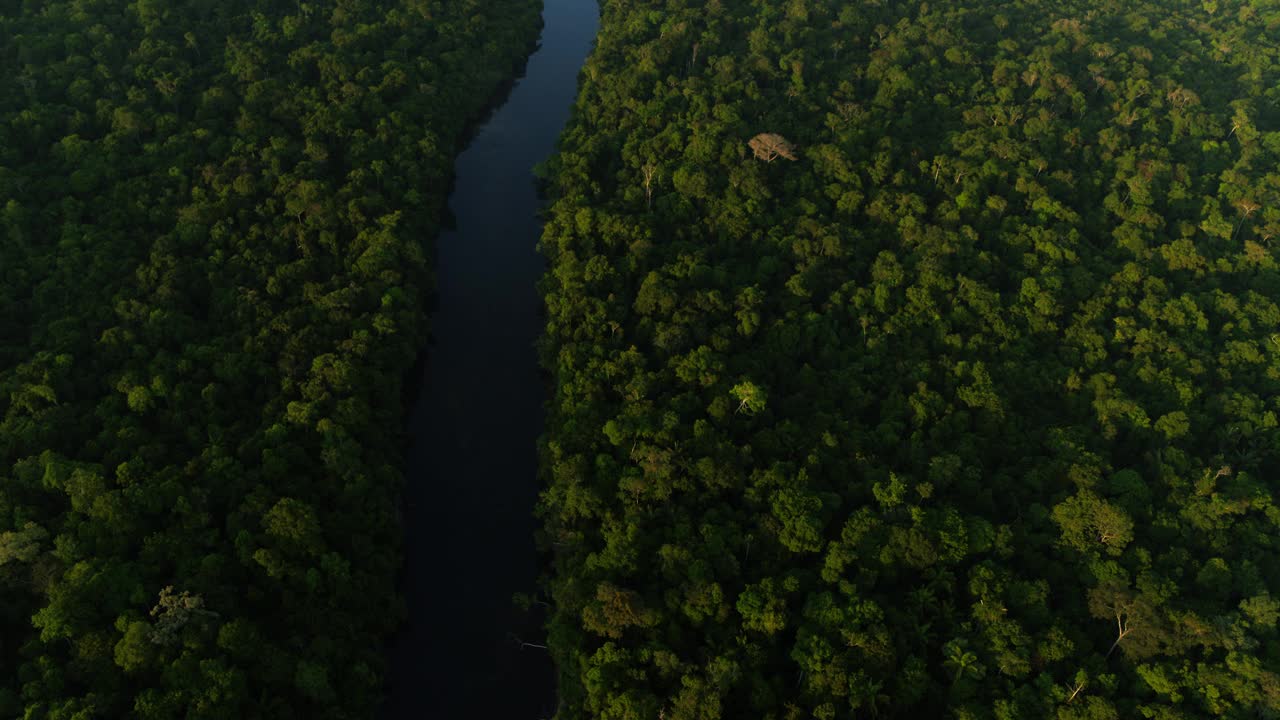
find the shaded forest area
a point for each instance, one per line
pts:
(213, 269)
(966, 410)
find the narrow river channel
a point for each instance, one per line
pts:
(471, 475)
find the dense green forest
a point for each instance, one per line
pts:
(917, 360)
(213, 270)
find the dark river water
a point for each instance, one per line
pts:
(471, 479)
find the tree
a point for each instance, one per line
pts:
(751, 397)
(771, 146)
(1088, 521)
(650, 174)
(1135, 618)
(961, 661)
(21, 546)
(173, 612)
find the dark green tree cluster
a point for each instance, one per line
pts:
(212, 280)
(917, 360)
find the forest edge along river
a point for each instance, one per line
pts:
(471, 475)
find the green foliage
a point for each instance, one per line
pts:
(968, 412)
(212, 276)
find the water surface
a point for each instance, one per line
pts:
(471, 476)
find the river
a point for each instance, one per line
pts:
(471, 478)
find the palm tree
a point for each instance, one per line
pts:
(960, 661)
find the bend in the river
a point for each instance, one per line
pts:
(471, 473)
